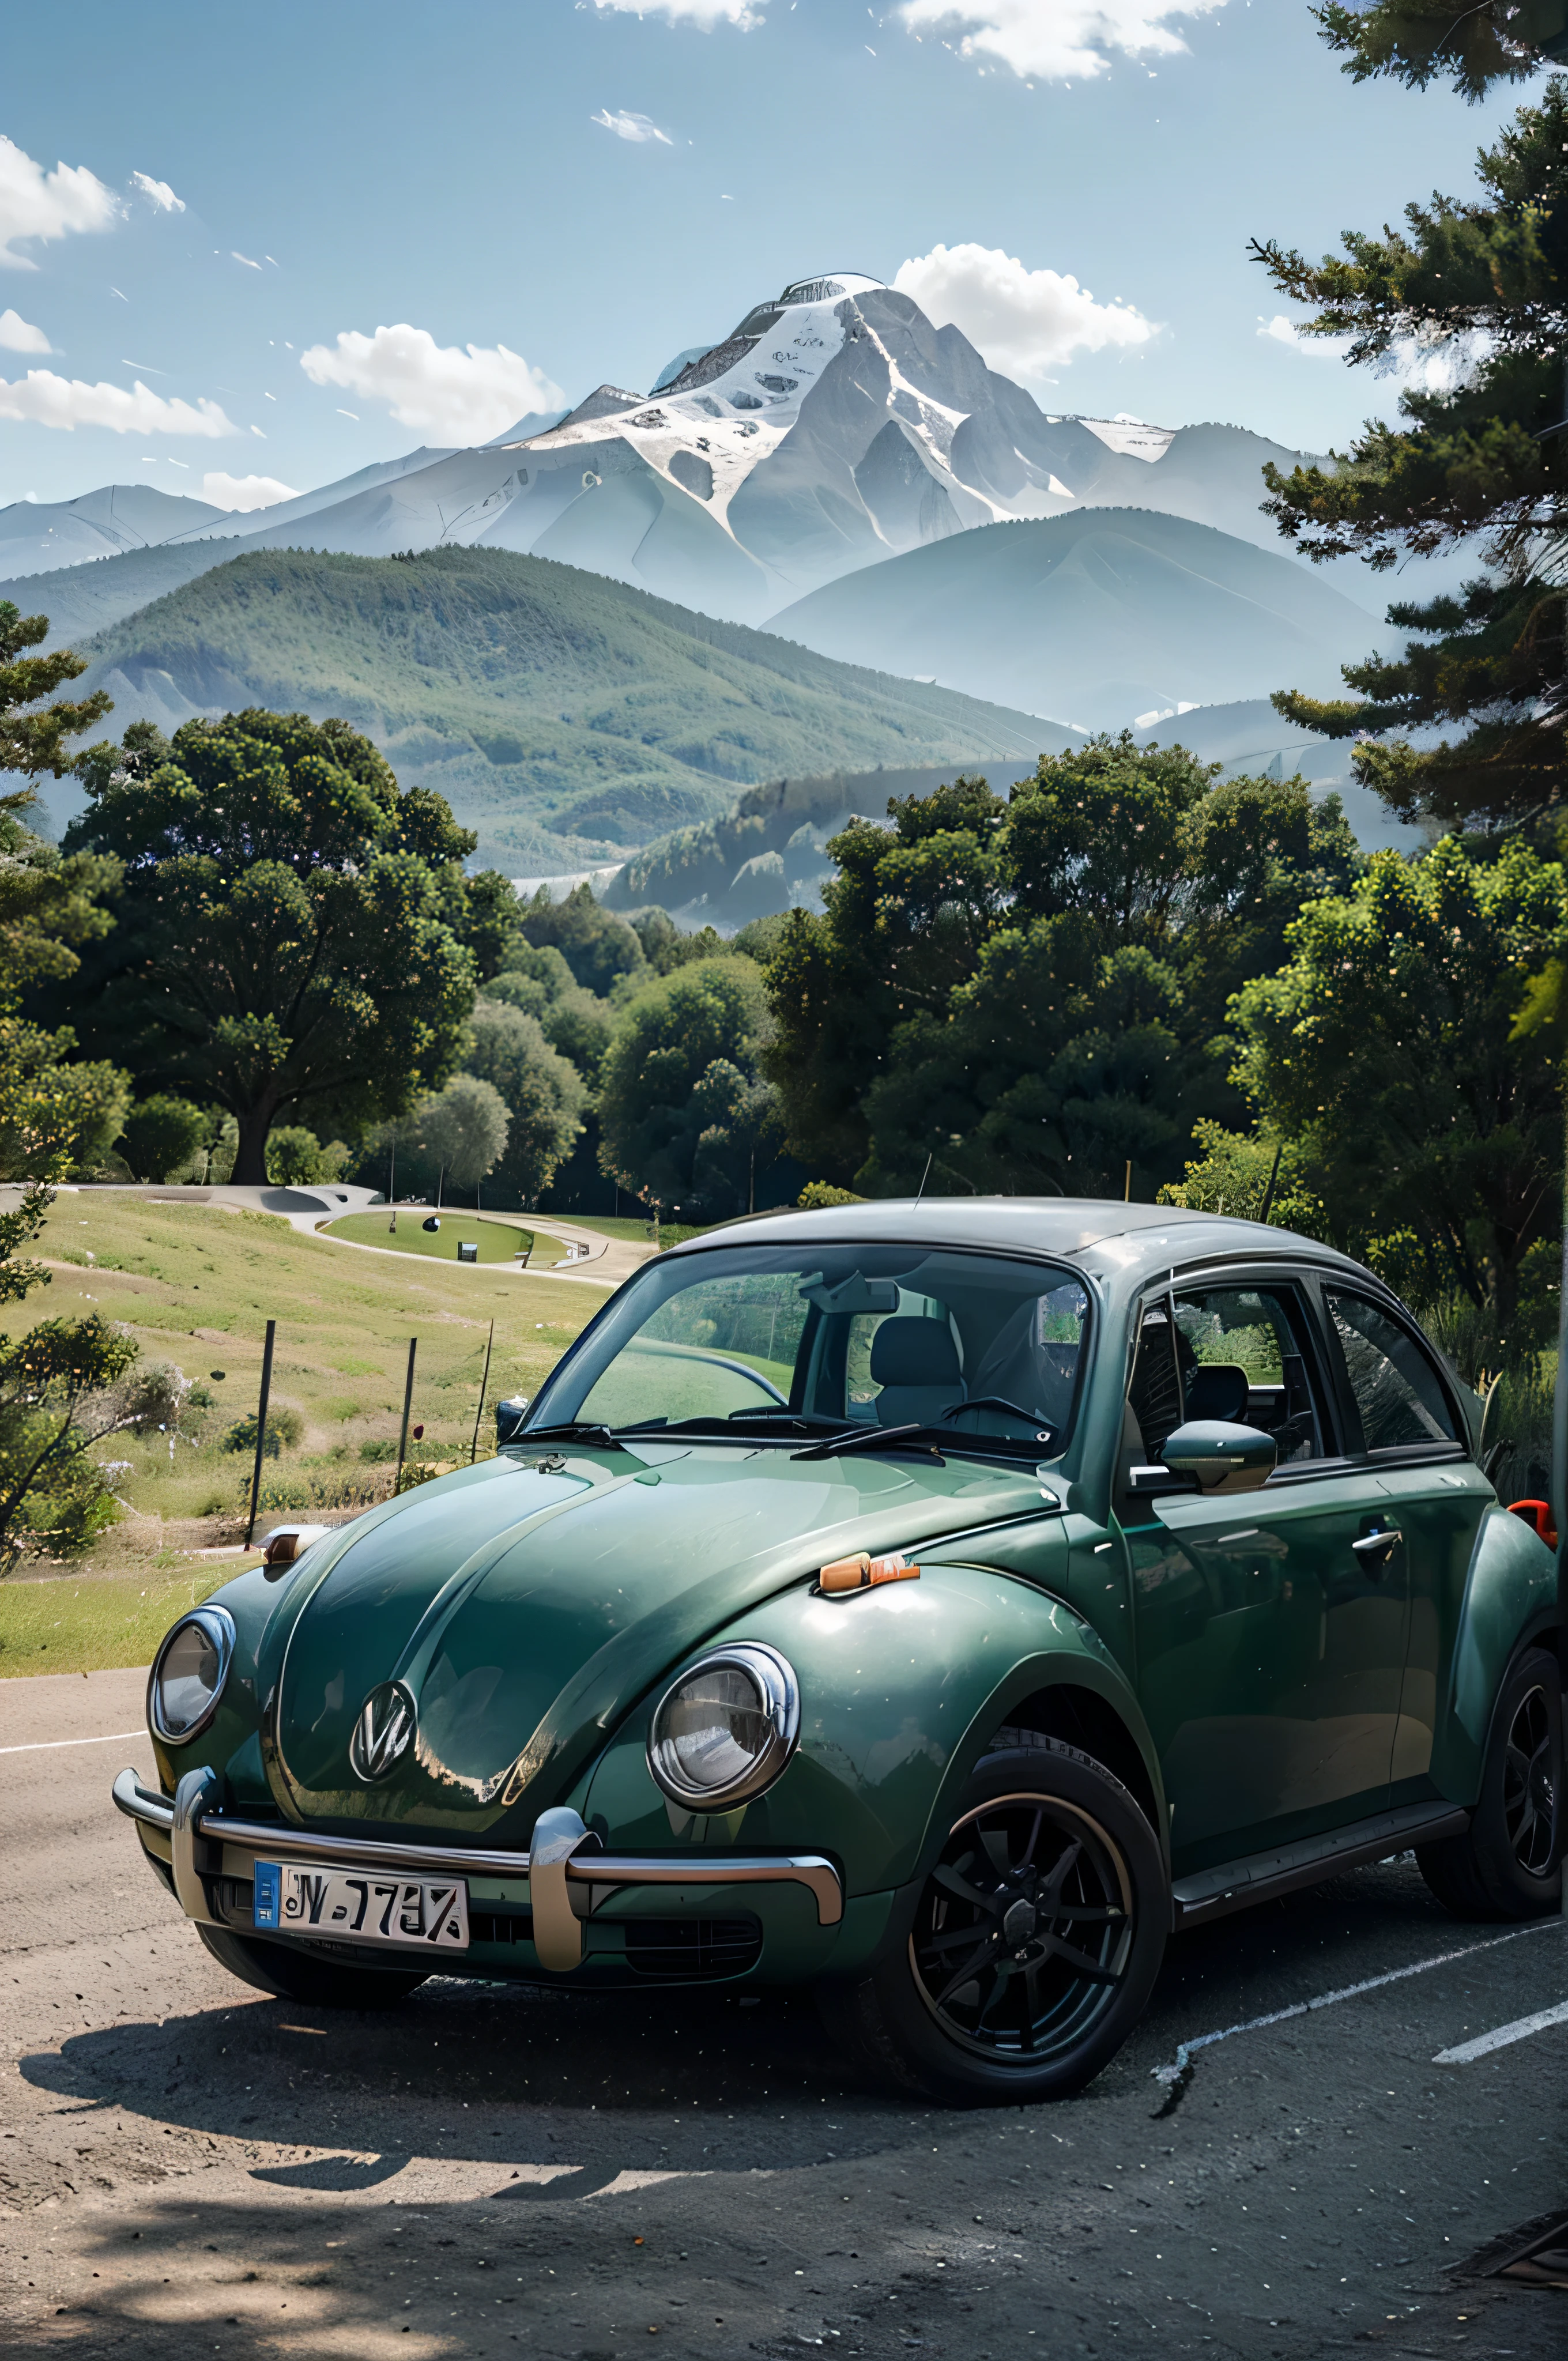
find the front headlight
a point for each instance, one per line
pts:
(189, 1673)
(726, 1728)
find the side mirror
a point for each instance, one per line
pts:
(1219, 1458)
(509, 1415)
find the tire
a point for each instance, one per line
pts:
(1509, 1862)
(1037, 1818)
(293, 1975)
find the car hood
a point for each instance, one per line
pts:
(528, 1604)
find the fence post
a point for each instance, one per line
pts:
(484, 1385)
(403, 1437)
(260, 1428)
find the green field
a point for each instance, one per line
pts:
(86, 1623)
(497, 1241)
(196, 1285)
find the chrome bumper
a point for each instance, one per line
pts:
(568, 1876)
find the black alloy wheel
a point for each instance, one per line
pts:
(1509, 1862)
(1024, 1932)
(1020, 1962)
(1530, 1801)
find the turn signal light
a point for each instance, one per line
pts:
(864, 1572)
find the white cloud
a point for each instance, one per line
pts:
(630, 127)
(235, 255)
(464, 394)
(159, 193)
(36, 203)
(245, 491)
(17, 335)
(704, 13)
(1024, 321)
(1059, 40)
(1283, 331)
(42, 399)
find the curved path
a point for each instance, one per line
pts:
(588, 1255)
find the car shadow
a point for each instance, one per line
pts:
(513, 2078)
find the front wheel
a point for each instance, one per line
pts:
(1509, 1862)
(294, 1975)
(1034, 1942)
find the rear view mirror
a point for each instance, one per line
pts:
(1219, 1458)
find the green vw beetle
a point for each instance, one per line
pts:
(935, 1604)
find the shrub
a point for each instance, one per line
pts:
(296, 1159)
(284, 1428)
(819, 1193)
(163, 1137)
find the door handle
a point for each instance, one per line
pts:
(1375, 1548)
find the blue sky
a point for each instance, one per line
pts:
(550, 194)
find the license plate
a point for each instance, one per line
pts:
(306, 1898)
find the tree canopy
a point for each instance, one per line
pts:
(294, 931)
(599, 947)
(1477, 291)
(1389, 1049)
(677, 1112)
(543, 1091)
(1030, 991)
(1472, 43)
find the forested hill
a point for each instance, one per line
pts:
(566, 717)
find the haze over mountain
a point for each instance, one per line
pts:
(833, 428)
(1104, 618)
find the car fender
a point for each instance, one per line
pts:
(1510, 1598)
(902, 1689)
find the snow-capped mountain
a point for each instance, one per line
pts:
(832, 428)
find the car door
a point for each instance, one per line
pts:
(1270, 1647)
(1406, 1428)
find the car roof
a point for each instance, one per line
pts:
(1130, 1238)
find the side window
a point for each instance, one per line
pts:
(1234, 1352)
(1244, 1358)
(1397, 1391)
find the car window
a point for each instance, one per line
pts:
(988, 1347)
(1397, 1391)
(724, 1345)
(1249, 1362)
(1233, 1353)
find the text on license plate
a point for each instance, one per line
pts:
(304, 1898)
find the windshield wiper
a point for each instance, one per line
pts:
(570, 1429)
(870, 1438)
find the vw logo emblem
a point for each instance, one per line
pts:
(383, 1730)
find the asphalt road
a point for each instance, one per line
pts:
(187, 2169)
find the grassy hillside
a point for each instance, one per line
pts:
(197, 1285)
(565, 716)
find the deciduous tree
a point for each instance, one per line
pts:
(1389, 1048)
(291, 928)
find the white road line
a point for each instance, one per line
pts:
(44, 1745)
(1520, 2030)
(1189, 2050)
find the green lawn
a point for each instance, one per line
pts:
(196, 1286)
(86, 1623)
(497, 1241)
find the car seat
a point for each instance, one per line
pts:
(1217, 1390)
(916, 1363)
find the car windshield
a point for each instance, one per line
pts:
(981, 1349)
